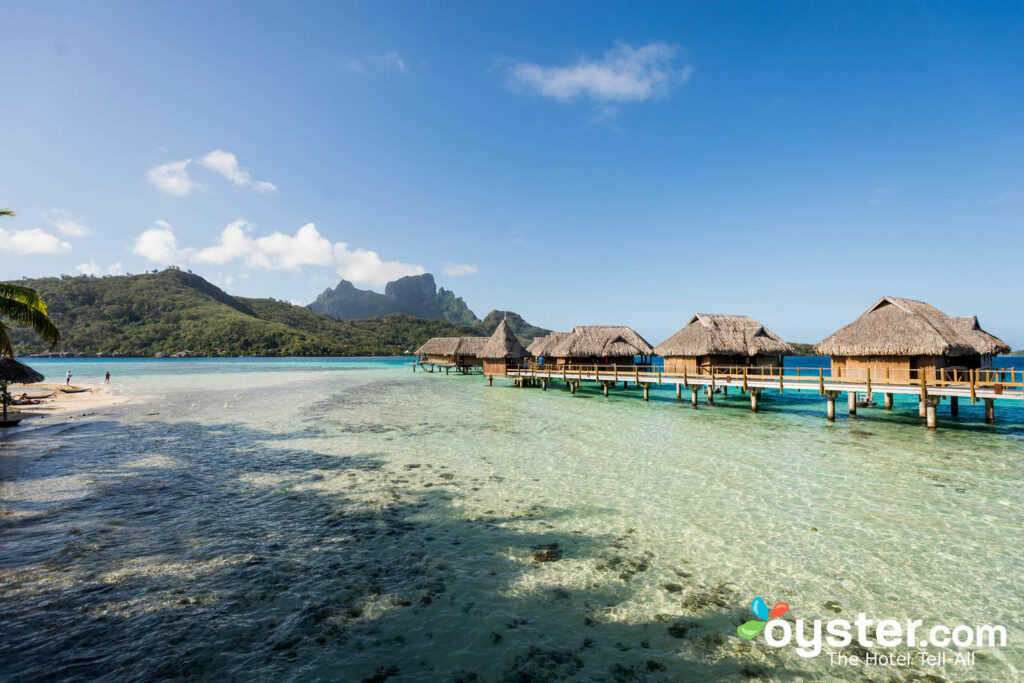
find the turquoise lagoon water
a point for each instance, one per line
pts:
(349, 519)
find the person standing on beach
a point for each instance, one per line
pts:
(106, 378)
(67, 379)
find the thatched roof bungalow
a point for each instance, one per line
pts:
(715, 340)
(461, 351)
(501, 351)
(897, 337)
(591, 344)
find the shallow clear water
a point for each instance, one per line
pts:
(350, 519)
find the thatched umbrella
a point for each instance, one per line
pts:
(18, 373)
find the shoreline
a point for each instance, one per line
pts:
(57, 402)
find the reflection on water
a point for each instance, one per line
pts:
(305, 519)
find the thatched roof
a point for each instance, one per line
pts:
(710, 334)
(594, 341)
(452, 346)
(502, 344)
(541, 345)
(905, 327)
(18, 373)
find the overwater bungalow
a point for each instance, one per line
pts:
(715, 340)
(462, 353)
(501, 351)
(592, 345)
(899, 339)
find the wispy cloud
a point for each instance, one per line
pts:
(91, 268)
(458, 269)
(623, 74)
(172, 178)
(388, 61)
(226, 164)
(34, 241)
(879, 195)
(1004, 198)
(67, 225)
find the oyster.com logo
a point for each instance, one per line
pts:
(810, 636)
(759, 607)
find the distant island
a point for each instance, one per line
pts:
(173, 312)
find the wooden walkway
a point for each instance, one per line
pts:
(928, 385)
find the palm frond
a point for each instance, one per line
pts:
(5, 342)
(25, 295)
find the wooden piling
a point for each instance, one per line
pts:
(888, 401)
(990, 410)
(851, 399)
(954, 406)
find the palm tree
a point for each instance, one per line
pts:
(23, 306)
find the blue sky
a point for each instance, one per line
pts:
(578, 163)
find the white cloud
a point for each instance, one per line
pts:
(363, 266)
(307, 247)
(91, 268)
(158, 244)
(458, 269)
(67, 225)
(226, 164)
(33, 241)
(623, 74)
(172, 178)
(233, 244)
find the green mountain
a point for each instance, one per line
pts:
(416, 295)
(173, 311)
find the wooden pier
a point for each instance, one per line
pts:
(930, 386)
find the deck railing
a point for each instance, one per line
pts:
(997, 379)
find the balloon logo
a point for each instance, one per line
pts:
(760, 609)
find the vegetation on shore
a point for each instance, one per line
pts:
(173, 311)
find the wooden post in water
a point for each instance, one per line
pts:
(604, 386)
(544, 385)
(954, 406)
(930, 412)
(990, 410)
(830, 405)
(851, 398)
(647, 389)
(888, 401)
(693, 395)
(755, 394)
(679, 391)
(490, 380)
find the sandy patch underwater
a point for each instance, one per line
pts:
(348, 518)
